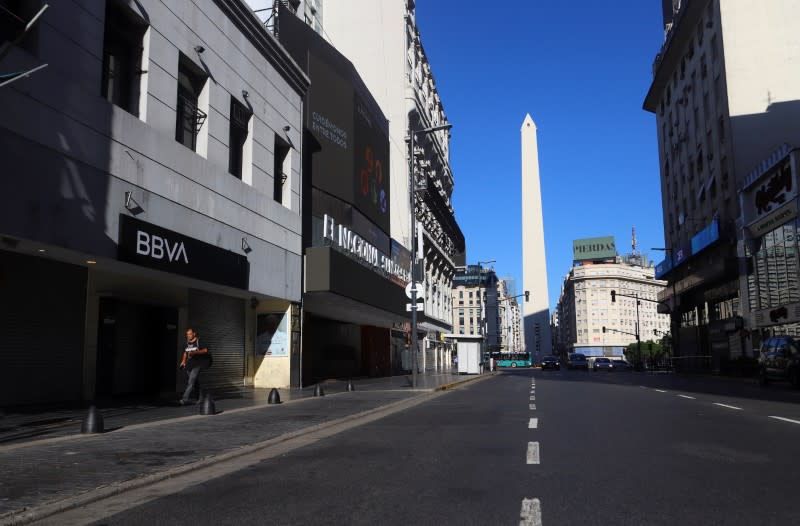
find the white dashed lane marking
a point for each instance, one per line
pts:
(534, 423)
(689, 397)
(728, 406)
(660, 390)
(533, 398)
(531, 513)
(786, 419)
(533, 453)
(533, 407)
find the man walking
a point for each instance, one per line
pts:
(195, 358)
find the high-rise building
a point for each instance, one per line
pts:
(509, 316)
(475, 303)
(384, 43)
(586, 306)
(536, 324)
(725, 95)
(397, 75)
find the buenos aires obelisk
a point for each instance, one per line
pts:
(536, 320)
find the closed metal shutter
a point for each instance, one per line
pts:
(430, 355)
(42, 319)
(219, 322)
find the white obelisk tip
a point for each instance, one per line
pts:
(528, 122)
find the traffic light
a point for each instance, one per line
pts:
(527, 296)
(604, 328)
(655, 332)
(613, 296)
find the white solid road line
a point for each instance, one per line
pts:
(786, 419)
(534, 423)
(533, 452)
(728, 406)
(661, 390)
(533, 407)
(531, 513)
(689, 397)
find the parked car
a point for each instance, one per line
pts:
(621, 365)
(779, 359)
(602, 364)
(577, 361)
(550, 362)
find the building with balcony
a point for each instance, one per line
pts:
(725, 95)
(586, 306)
(477, 305)
(509, 315)
(383, 42)
(151, 183)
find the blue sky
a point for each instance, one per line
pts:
(581, 69)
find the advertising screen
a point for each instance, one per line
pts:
(352, 162)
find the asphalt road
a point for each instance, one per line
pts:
(605, 448)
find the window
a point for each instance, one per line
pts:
(460, 293)
(239, 125)
(122, 58)
(189, 116)
(281, 169)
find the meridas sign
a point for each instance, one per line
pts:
(594, 248)
(152, 246)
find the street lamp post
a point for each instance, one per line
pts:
(413, 198)
(675, 314)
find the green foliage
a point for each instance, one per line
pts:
(650, 349)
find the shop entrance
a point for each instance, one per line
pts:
(137, 349)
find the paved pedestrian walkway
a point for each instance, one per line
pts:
(144, 443)
(27, 424)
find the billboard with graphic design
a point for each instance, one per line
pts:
(352, 134)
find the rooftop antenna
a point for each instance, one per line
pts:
(633, 239)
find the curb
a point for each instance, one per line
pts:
(452, 385)
(48, 509)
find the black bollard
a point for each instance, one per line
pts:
(93, 423)
(318, 390)
(274, 397)
(350, 387)
(207, 407)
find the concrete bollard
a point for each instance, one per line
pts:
(274, 397)
(350, 387)
(93, 423)
(207, 407)
(318, 390)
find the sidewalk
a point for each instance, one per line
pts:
(28, 424)
(70, 467)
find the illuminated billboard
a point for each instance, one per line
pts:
(352, 162)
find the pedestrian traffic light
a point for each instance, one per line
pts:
(655, 332)
(613, 296)
(527, 296)
(604, 328)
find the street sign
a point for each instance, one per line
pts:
(420, 290)
(420, 306)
